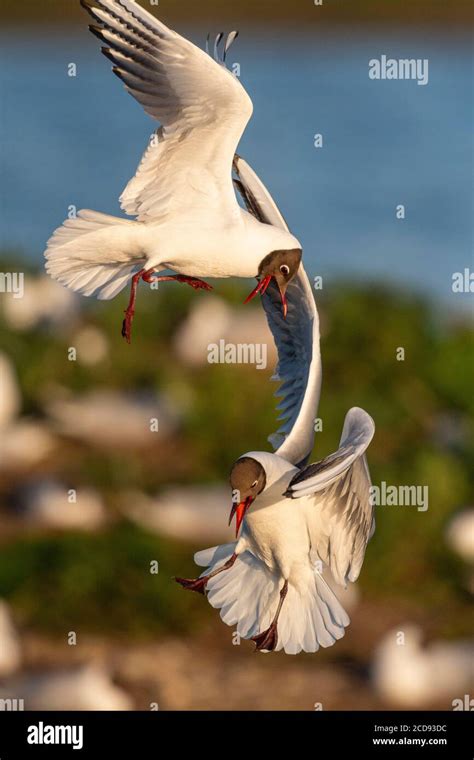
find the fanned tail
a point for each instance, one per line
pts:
(248, 593)
(95, 254)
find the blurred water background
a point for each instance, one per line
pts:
(77, 140)
(81, 564)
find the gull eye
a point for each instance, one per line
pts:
(285, 269)
(255, 483)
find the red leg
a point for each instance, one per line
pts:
(195, 282)
(267, 640)
(199, 584)
(130, 310)
(150, 277)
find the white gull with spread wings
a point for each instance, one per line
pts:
(296, 519)
(187, 218)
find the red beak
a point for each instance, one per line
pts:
(261, 287)
(284, 303)
(239, 510)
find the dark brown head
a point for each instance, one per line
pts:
(281, 266)
(247, 480)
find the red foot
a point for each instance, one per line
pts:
(198, 584)
(130, 310)
(195, 282)
(267, 640)
(150, 276)
(127, 326)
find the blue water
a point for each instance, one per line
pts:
(78, 140)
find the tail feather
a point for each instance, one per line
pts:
(248, 593)
(95, 254)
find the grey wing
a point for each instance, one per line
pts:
(296, 337)
(341, 514)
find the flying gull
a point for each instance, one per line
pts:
(295, 520)
(187, 218)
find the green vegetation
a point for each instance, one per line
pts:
(97, 582)
(100, 583)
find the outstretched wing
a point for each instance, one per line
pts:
(341, 520)
(202, 107)
(296, 337)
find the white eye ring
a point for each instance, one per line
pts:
(255, 483)
(285, 269)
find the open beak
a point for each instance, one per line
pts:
(261, 287)
(284, 302)
(239, 510)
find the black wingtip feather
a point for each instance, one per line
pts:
(109, 54)
(88, 6)
(97, 31)
(118, 73)
(217, 42)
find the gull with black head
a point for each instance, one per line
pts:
(187, 218)
(293, 520)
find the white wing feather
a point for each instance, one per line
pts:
(340, 515)
(202, 107)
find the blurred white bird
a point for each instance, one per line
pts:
(187, 513)
(114, 419)
(214, 320)
(187, 216)
(91, 345)
(87, 687)
(44, 303)
(296, 519)
(408, 675)
(460, 539)
(10, 397)
(49, 504)
(10, 650)
(24, 444)
(460, 534)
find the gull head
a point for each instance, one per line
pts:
(247, 480)
(281, 266)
